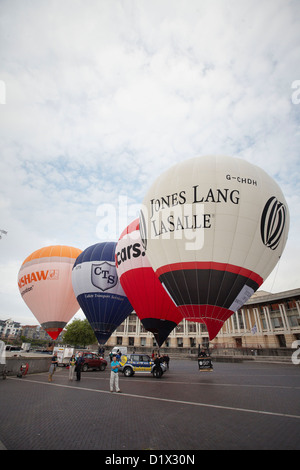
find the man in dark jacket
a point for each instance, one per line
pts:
(78, 367)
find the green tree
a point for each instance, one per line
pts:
(79, 333)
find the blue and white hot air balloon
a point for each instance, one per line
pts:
(98, 289)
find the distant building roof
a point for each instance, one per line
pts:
(263, 296)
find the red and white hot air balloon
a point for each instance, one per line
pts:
(213, 229)
(151, 302)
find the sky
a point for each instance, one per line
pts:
(98, 97)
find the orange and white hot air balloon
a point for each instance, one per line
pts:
(45, 283)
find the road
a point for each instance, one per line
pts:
(237, 406)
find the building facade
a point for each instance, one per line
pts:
(265, 321)
(10, 329)
(34, 332)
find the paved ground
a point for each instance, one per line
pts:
(238, 406)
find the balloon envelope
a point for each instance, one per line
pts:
(152, 304)
(213, 228)
(98, 289)
(45, 284)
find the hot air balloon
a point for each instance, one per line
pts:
(213, 229)
(98, 289)
(45, 284)
(151, 302)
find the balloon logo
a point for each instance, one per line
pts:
(101, 277)
(98, 290)
(213, 229)
(45, 284)
(272, 223)
(151, 302)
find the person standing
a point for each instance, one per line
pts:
(157, 360)
(202, 353)
(72, 364)
(78, 367)
(114, 375)
(52, 366)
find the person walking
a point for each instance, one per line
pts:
(72, 364)
(114, 375)
(52, 366)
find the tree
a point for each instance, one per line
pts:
(79, 333)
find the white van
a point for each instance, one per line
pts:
(122, 350)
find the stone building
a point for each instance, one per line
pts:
(265, 321)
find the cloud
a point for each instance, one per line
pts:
(101, 97)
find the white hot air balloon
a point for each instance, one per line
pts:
(213, 229)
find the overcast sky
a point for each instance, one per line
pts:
(98, 97)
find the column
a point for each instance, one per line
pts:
(257, 320)
(237, 321)
(268, 319)
(232, 324)
(244, 319)
(249, 319)
(284, 317)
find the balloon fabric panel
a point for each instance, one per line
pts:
(152, 304)
(45, 284)
(98, 289)
(213, 229)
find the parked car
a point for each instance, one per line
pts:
(137, 363)
(93, 361)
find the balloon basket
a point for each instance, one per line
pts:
(205, 364)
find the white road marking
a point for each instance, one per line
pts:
(168, 400)
(212, 384)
